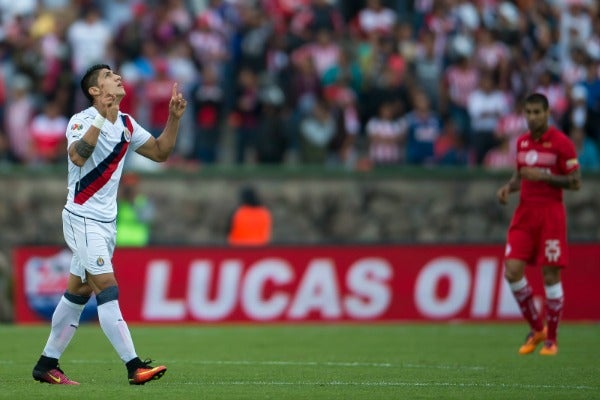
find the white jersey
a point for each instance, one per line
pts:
(93, 187)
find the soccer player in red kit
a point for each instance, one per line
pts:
(546, 164)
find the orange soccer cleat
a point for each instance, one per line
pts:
(532, 341)
(146, 373)
(549, 349)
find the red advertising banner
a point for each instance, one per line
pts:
(302, 284)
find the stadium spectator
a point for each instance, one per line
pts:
(245, 116)
(342, 149)
(157, 96)
(208, 106)
(492, 56)
(460, 79)
(317, 129)
(385, 134)
(587, 150)
(450, 148)
(251, 223)
(90, 39)
(546, 164)
(272, 137)
(89, 215)
(346, 71)
(513, 124)
(426, 68)
(422, 129)
(499, 157)
(551, 87)
(485, 106)
(323, 51)
(135, 213)
(19, 112)
(591, 84)
(578, 115)
(48, 134)
(376, 18)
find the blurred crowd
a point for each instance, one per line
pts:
(357, 84)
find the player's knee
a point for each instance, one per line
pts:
(76, 298)
(512, 273)
(109, 294)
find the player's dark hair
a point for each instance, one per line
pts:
(90, 78)
(538, 98)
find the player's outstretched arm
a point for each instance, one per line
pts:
(160, 149)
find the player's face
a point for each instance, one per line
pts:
(537, 117)
(110, 83)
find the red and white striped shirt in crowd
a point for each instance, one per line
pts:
(209, 47)
(512, 126)
(499, 158)
(492, 56)
(382, 20)
(557, 98)
(384, 140)
(323, 56)
(461, 83)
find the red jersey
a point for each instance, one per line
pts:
(553, 152)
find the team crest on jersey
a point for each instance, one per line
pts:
(127, 134)
(531, 157)
(100, 261)
(76, 127)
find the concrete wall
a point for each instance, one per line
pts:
(316, 208)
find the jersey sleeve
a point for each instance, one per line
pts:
(567, 161)
(76, 128)
(139, 135)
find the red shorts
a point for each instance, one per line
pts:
(538, 235)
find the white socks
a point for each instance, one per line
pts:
(65, 321)
(116, 330)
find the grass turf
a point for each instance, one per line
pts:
(399, 361)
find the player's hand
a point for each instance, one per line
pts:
(502, 194)
(533, 174)
(108, 102)
(177, 103)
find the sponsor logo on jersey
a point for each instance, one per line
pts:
(531, 157)
(76, 127)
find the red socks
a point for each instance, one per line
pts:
(524, 297)
(554, 307)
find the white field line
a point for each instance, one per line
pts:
(389, 384)
(334, 364)
(349, 364)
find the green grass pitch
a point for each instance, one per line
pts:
(379, 361)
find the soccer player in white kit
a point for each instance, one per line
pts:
(99, 137)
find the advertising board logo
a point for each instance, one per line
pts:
(45, 280)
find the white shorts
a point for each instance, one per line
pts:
(92, 243)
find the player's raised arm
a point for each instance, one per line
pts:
(159, 149)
